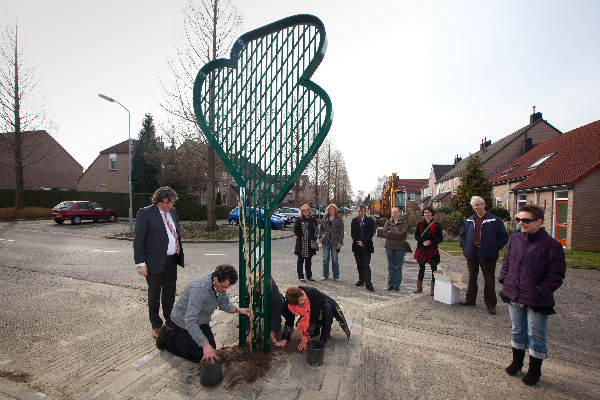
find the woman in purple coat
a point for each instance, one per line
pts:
(533, 267)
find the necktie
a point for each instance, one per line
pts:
(172, 232)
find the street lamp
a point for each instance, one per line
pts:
(129, 150)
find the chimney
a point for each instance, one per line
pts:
(528, 145)
(457, 159)
(535, 116)
(484, 144)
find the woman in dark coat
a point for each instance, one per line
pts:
(316, 311)
(428, 235)
(305, 229)
(533, 267)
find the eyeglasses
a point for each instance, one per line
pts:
(524, 220)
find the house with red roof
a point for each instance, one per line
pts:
(494, 156)
(110, 170)
(562, 176)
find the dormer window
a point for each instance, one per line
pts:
(538, 162)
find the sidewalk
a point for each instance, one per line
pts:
(402, 346)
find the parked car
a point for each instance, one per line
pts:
(254, 215)
(77, 211)
(290, 212)
(316, 213)
(286, 220)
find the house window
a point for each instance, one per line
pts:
(112, 161)
(224, 199)
(521, 200)
(538, 162)
(498, 202)
(411, 197)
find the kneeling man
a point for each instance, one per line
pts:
(190, 335)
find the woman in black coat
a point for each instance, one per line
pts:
(305, 229)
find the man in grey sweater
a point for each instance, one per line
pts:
(190, 335)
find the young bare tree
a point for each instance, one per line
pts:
(209, 29)
(20, 112)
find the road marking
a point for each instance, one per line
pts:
(215, 254)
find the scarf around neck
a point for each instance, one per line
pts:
(304, 312)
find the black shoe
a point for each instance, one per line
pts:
(369, 287)
(535, 371)
(517, 362)
(310, 279)
(397, 288)
(359, 283)
(492, 310)
(391, 288)
(161, 340)
(464, 303)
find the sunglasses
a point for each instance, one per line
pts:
(524, 220)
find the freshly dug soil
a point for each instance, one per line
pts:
(240, 365)
(16, 376)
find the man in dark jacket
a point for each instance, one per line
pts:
(157, 250)
(533, 267)
(362, 229)
(481, 237)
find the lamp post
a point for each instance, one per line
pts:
(129, 150)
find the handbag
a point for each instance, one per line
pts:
(314, 245)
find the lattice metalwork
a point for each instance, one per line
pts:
(266, 120)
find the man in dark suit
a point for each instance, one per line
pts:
(362, 230)
(157, 251)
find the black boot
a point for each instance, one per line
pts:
(517, 362)
(535, 371)
(161, 340)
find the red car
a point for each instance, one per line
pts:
(77, 211)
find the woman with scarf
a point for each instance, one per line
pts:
(305, 229)
(316, 311)
(428, 235)
(395, 231)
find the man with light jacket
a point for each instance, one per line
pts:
(482, 235)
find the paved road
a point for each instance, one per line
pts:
(75, 325)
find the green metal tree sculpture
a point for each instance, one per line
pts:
(265, 119)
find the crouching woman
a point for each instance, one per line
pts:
(316, 311)
(533, 267)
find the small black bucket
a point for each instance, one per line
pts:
(211, 374)
(314, 353)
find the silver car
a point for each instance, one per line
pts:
(290, 212)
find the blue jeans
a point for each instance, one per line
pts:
(395, 260)
(330, 251)
(528, 330)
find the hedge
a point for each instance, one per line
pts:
(188, 206)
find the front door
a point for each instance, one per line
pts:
(560, 221)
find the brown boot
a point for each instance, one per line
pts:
(419, 288)
(431, 289)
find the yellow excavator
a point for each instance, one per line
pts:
(392, 196)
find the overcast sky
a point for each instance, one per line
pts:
(412, 82)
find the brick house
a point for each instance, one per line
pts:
(495, 156)
(561, 175)
(430, 190)
(47, 165)
(412, 188)
(110, 170)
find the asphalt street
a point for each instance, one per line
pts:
(75, 325)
